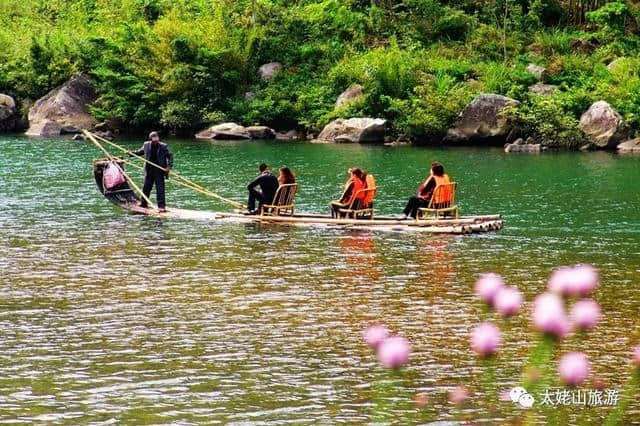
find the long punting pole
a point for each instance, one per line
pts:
(129, 180)
(186, 182)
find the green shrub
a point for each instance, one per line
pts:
(546, 120)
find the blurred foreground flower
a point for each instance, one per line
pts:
(577, 280)
(487, 287)
(573, 368)
(394, 352)
(585, 314)
(485, 339)
(636, 356)
(508, 301)
(549, 315)
(458, 395)
(375, 334)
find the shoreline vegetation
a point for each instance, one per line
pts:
(536, 74)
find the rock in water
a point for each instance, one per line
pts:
(63, 109)
(354, 130)
(603, 125)
(226, 131)
(268, 71)
(481, 119)
(261, 132)
(290, 135)
(7, 113)
(353, 93)
(632, 145)
(537, 71)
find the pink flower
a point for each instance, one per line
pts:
(585, 313)
(508, 301)
(485, 339)
(573, 368)
(458, 395)
(375, 334)
(549, 315)
(577, 280)
(394, 352)
(636, 356)
(487, 286)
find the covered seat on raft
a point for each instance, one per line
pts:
(443, 203)
(283, 202)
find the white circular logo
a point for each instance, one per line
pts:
(519, 395)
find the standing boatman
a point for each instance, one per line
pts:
(158, 153)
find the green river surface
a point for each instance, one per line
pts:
(113, 318)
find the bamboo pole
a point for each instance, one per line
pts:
(189, 183)
(129, 180)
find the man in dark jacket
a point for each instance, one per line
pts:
(157, 153)
(268, 184)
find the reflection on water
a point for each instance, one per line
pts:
(108, 317)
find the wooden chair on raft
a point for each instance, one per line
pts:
(357, 211)
(444, 208)
(283, 202)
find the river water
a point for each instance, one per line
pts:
(107, 317)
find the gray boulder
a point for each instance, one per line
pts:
(261, 132)
(481, 119)
(353, 93)
(224, 131)
(614, 64)
(543, 89)
(268, 71)
(632, 145)
(64, 109)
(602, 124)
(290, 135)
(354, 130)
(539, 72)
(7, 113)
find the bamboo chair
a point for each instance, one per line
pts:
(360, 212)
(283, 202)
(443, 209)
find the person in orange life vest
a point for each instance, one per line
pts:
(355, 183)
(436, 177)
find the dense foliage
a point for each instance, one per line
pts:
(182, 64)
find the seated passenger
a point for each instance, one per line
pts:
(355, 183)
(425, 191)
(268, 184)
(286, 176)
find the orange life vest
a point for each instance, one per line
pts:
(370, 195)
(357, 186)
(445, 194)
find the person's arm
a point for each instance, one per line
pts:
(254, 183)
(169, 160)
(346, 196)
(427, 187)
(139, 152)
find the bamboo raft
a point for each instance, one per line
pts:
(125, 197)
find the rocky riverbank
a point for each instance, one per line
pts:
(487, 120)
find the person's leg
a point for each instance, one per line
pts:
(251, 202)
(411, 209)
(159, 180)
(146, 188)
(253, 197)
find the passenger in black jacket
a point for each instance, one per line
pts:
(268, 184)
(157, 153)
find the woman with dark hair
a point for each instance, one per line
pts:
(355, 183)
(286, 176)
(436, 177)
